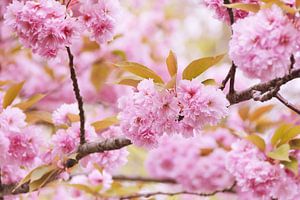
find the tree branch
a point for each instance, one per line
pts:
(287, 104)
(143, 179)
(147, 195)
(77, 95)
(262, 88)
(84, 150)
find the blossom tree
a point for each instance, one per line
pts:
(83, 117)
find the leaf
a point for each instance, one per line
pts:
(280, 131)
(30, 102)
(120, 53)
(105, 123)
(282, 5)
(73, 117)
(292, 165)
(295, 144)
(172, 64)
(44, 180)
(209, 82)
(297, 4)
(171, 83)
(84, 188)
(206, 151)
(99, 74)
(11, 94)
(2, 83)
(244, 112)
(281, 153)
(290, 134)
(140, 71)
(249, 7)
(89, 45)
(257, 141)
(38, 116)
(129, 81)
(262, 125)
(197, 67)
(36, 174)
(259, 112)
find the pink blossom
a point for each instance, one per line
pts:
(108, 160)
(139, 113)
(4, 146)
(12, 118)
(64, 143)
(221, 11)
(104, 178)
(263, 50)
(99, 19)
(24, 147)
(41, 26)
(201, 105)
(191, 106)
(174, 155)
(60, 115)
(251, 170)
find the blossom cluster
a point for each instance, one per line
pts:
(202, 156)
(221, 12)
(99, 17)
(19, 142)
(149, 112)
(46, 26)
(41, 26)
(257, 176)
(66, 141)
(263, 50)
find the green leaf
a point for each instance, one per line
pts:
(11, 94)
(244, 112)
(290, 134)
(171, 83)
(172, 64)
(297, 4)
(257, 141)
(84, 188)
(292, 165)
(259, 112)
(281, 153)
(36, 174)
(249, 7)
(99, 74)
(295, 144)
(279, 133)
(38, 116)
(105, 123)
(30, 102)
(197, 67)
(209, 82)
(129, 81)
(73, 117)
(140, 70)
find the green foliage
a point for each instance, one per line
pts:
(197, 67)
(281, 153)
(257, 141)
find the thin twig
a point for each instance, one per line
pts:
(231, 74)
(88, 148)
(77, 95)
(249, 93)
(143, 179)
(147, 195)
(287, 104)
(1, 186)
